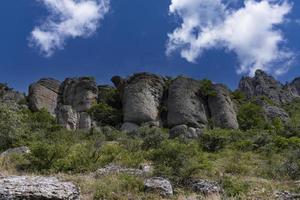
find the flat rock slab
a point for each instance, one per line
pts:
(37, 188)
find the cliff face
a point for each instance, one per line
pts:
(179, 104)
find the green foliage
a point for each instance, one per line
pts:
(118, 187)
(12, 127)
(178, 161)
(251, 116)
(206, 88)
(111, 97)
(105, 114)
(239, 96)
(234, 187)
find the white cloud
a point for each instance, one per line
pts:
(68, 19)
(250, 31)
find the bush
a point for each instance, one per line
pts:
(119, 187)
(178, 161)
(12, 128)
(105, 114)
(234, 187)
(206, 88)
(251, 116)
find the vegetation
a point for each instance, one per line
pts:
(257, 156)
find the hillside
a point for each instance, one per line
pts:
(151, 137)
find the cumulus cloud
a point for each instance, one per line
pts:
(251, 31)
(67, 19)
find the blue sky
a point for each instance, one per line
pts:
(133, 37)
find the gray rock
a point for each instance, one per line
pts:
(128, 127)
(18, 150)
(285, 195)
(222, 109)
(67, 117)
(206, 188)
(11, 97)
(158, 184)
(142, 97)
(264, 85)
(43, 95)
(28, 188)
(116, 169)
(185, 105)
(273, 112)
(185, 132)
(80, 93)
(76, 96)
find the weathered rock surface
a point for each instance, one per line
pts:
(185, 105)
(143, 171)
(128, 127)
(18, 150)
(264, 85)
(142, 97)
(76, 96)
(285, 195)
(29, 188)
(158, 184)
(207, 188)
(43, 95)
(222, 109)
(273, 112)
(185, 132)
(11, 97)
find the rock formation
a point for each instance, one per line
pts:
(43, 95)
(264, 85)
(222, 109)
(12, 98)
(158, 184)
(185, 105)
(142, 97)
(27, 188)
(76, 96)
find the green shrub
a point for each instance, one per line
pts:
(234, 187)
(251, 116)
(105, 114)
(178, 161)
(12, 128)
(206, 88)
(119, 187)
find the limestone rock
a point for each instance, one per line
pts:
(285, 195)
(222, 109)
(273, 112)
(207, 188)
(264, 85)
(80, 93)
(128, 127)
(11, 97)
(28, 188)
(44, 94)
(158, 184)
(18, 150)
(185, 105)
(76, 96)
(185, 132)
(116, 169)
(142, 98)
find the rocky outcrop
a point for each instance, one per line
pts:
(160, 185)
(207, 188)
(142, 97)
(274, 112)
(18, 150)
(28, 188)
(143, 171)
(11, 98)
(221, 108)
(183, 131)
(185, 104)
(76, 96)
(264, 85)
(43, 95)
(285, 195)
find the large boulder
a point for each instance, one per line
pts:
(76, 97)
(221, 108)
(160, 185)
(142, 97)
(18, 150)
(264, 85)
(28, 188)
(185, 104)
(43, 95)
